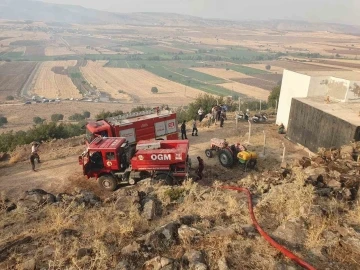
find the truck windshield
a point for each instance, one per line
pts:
(89, 135)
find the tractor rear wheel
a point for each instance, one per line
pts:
(107, 182)
(226, 158)
(252, 163)
(164, 177)
(209, 153)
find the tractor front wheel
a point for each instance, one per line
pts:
(107, 182)
(209, 153)
(226, 158)
(252, 163)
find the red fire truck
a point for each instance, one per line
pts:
(112, 161)
(153, 124)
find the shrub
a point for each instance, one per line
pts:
(274, 96)
(268, 67)
(154, 90)
(175, 193)
(76, 117)
(10, 98)
(140, 109)
(107, 114)
(57, 117)
(86, 114)
(3, 120)
(38, 120)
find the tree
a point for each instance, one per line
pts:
(57, 117)
(154, 90)
(3, 121)
(274, 96)
(268, 67)
(38, 120)
(10, 98)
(86, 114)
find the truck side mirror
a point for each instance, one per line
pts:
(81, 161)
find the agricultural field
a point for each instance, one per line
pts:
(226, 74)
(49, 84)
(13, 76)
(55, 51)
(136, 83)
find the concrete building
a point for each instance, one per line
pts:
(296, 85)
(321, 111)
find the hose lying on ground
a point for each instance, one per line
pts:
(279, 247)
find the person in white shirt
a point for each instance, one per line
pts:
(201, 114)
(34, 150)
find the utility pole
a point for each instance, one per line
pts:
(239, 104)
(260, 105)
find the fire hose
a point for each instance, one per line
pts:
(272, 242)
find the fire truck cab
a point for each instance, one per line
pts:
(113, 161)
(152, 124)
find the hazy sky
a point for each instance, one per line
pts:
(340, 11)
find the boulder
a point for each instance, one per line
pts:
(194, 258)
(157, 263)
(188, 234)
(335, 185)
(66, 233)
(293, 233)
(149, 209)
(161, 238)
(132, 248)
(35, 198)
(87, 198)
(123, 265)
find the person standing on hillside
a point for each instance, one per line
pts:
(201, 114)
(32, 161)
(183, 131)
(222, 118)
(34, 150)
(194, 130)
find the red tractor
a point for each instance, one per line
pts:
(146, 125)
(113, 161)
(231, 155)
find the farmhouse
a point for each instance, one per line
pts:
(319, 111)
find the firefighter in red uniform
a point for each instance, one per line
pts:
(200, 169)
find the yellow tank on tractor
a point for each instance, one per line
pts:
(230, 155)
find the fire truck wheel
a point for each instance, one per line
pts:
(163, 177)
(107, 182)
(226, 158)
(208, 153)
(252, 163)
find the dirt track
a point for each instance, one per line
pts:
(60, 172)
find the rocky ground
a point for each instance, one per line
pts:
(310, 205)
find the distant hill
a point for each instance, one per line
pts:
(47, 12)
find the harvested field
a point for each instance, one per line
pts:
(35, 51)
(222, 73)
(344, 74)
(269, 77)
(84, 50)
(13, 76)
(52, 51)
(274, 68)
(349, 52)
(172, 49)
(267, 85)
(298, 66)
(137, 83)
(51, 85)
(342, 63)
(89, 41)
(250, 91)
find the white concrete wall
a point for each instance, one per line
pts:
(318, 86)
(293, 85)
